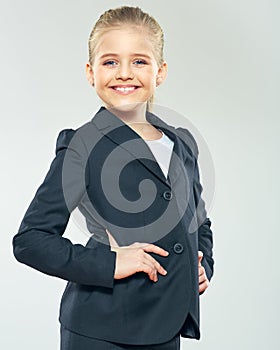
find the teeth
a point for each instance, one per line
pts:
(125, 89)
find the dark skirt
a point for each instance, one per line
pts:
(73, 341)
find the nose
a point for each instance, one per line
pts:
(124, 72)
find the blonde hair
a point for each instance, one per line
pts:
(132, 16)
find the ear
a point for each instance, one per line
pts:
(89, 73)
(161, 75)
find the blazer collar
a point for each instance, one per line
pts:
(116, 130)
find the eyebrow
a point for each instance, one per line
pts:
(134, 54)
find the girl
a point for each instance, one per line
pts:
(136, 283)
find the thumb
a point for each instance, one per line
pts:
(200, 256)
(112, 240)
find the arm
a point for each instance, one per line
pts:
(39, 242)
(205, 236)
(201, 222)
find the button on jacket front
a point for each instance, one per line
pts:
(178, 248)
(167, 195)
(106, 170)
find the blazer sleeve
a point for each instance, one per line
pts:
(39, 242)
(205, 235)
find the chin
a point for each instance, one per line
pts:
(128, 107)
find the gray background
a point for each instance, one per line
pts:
(223, 74)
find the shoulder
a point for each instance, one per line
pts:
(71, 138)
(187, 137)
(76, 142)
(183, 133)
(63, 139)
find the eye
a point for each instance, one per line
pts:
(110, 63)
(140, 62)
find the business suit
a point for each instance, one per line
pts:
(133, 310)
(73, 341)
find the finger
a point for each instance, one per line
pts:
(149, 268)
(202, 278)
(149, 247)
(201, 270)
(149, 265)
(152, 248)
(203, 286)
(200, 256)
(157, 266)
(112, 240)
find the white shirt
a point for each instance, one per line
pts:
(162, 151)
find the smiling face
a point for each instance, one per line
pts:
(125, 70)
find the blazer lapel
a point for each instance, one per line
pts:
(180, 157)
(118, 132)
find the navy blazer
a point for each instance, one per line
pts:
(108, 171)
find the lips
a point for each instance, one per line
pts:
(125, 89)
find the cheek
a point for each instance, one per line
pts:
(153, 82)
(150, 78)
(98, 76)
(101, 74)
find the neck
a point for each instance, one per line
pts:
(135, 113)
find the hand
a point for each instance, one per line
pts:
(202, 278)
(133, 258)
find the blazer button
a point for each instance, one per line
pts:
(167, 195)
(178, 248)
